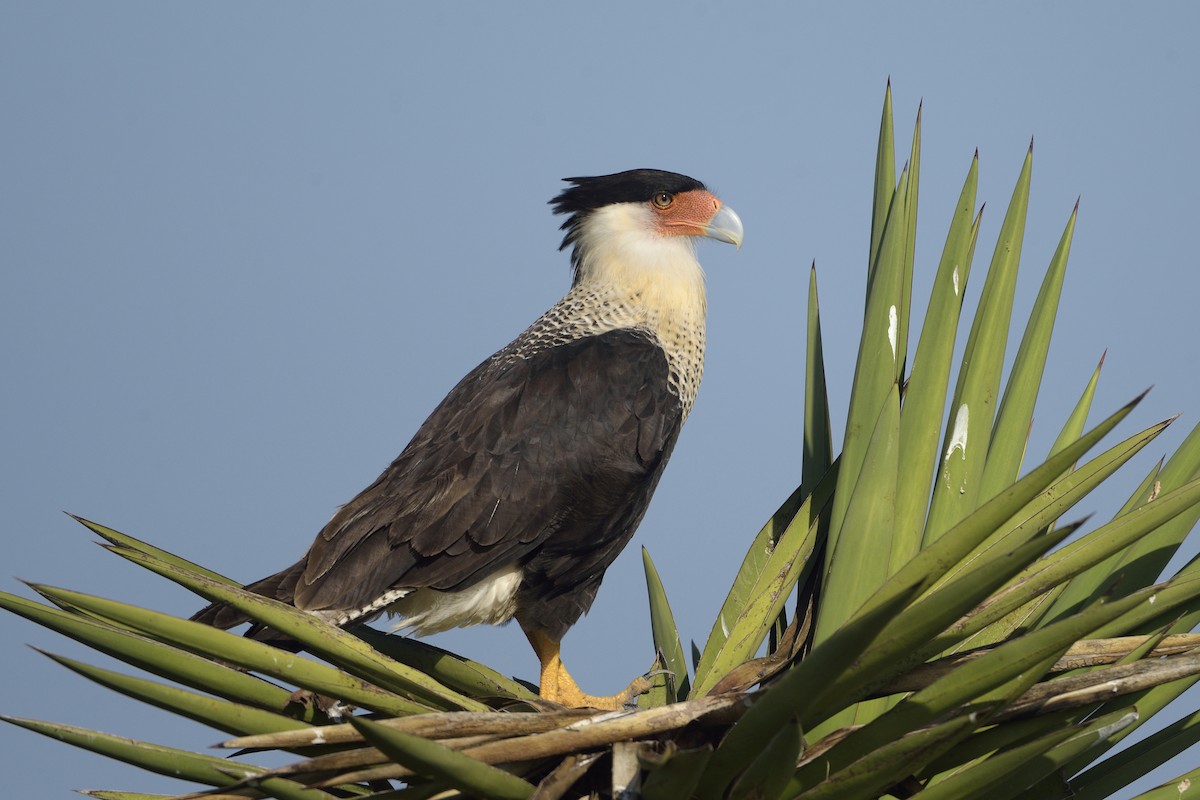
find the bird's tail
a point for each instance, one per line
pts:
(280, 586)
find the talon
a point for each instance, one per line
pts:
(558, 686)
(637, 687)
(658, 668)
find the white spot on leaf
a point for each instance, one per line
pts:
(1124, 722)
(955, 276)
(958, 438)
(958, 441)
(893, 327)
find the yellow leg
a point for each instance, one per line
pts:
(558, 686)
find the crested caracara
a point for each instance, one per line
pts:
(524, 484)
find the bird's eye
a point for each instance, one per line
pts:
(663, 199)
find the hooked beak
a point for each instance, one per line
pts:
(725, 226)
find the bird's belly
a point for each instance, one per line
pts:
(493, 600)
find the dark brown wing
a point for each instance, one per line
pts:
(546, 461)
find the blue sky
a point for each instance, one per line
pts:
(247, 248)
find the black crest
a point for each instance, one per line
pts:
(632, 186)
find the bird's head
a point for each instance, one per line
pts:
(644, 216)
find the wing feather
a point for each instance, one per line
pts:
(526, 458)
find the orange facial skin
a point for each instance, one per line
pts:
(686, 213)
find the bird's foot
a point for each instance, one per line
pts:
(558, 686)
(562, 689)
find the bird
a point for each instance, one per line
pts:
(530, 477)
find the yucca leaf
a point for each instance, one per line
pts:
(878, 664)
(1083, 654)
(247, 653)
(1149, 644)
(1006, 447)
(856, 568)
(768, 774)
(912, 192)
(885, 182)
(1118, 771)
(450, 669)
(169, 761)
(234, 718)
(1061, 496)
(868, 459)
(419, 791)
(789, 561)
(1073, 427)
(932, 563)
(907, 638)
(155, 657)
(124, 540)
(1189, 620)
(321, 638)
(887, 765)
(438, 761)
(925, 399)
(1173, 789)
(1143, 561)
(986, 741)
(818, 437)
(666, 635)
(876, 374)
(964, 449)
(674, 773)
(905, 642)
(970, 682)
(1149, 703)
(748, 574)
(1167, 600)
(1080, 588)
(1153, 700)
(794, 694)
(1073, 559)
(774, 564)
(1031, 613)
(1009, 772)
(1037, 516)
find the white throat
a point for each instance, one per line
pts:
(619, 244)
